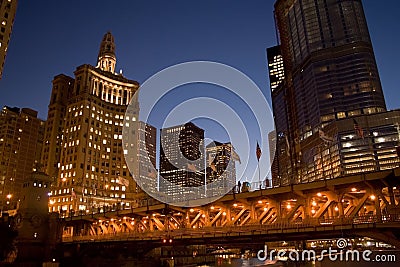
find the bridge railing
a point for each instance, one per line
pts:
(139, 203)
(235, 229)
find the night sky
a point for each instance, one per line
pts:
(53, 37)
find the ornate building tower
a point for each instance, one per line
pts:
(83, 149)
(106, 59)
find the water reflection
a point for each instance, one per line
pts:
(221, 262)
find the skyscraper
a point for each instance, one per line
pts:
(146, 140)
(330, 74)
(181, 158)
(8, 8)
(220, 166)
(272, 145)
(62, 89)
(275, 66)
(83, 147)
(282, 164)
(21, 139)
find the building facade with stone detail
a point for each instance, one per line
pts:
(83, 150)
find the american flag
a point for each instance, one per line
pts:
(235, 156)
(258, 152)
(152, 173)
(191, 167)
(359, 130)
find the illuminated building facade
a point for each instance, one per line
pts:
(275, 67)
(83, 146)
(330, 75)
(220, 166)
(8, 8)
(282, 163)
(349, 146)
(21, 139)
(181, 160)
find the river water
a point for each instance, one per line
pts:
(390, 262)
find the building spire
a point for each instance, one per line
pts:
(106, 59)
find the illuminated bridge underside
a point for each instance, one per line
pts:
(363, 205)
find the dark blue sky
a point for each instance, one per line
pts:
(52, 37)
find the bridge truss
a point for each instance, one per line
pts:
(361, 205)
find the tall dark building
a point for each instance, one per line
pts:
(272, 138)
(330, 74)
(182, 164)
(146, 142)
(8, 8)
(282, 161)
(220, 168)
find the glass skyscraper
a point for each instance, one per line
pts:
(330, 74)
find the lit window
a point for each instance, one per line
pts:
(380, 140)
(347, 144)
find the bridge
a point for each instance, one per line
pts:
(364, 205)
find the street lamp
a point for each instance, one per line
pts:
(9, 196)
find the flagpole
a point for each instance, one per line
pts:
(205, 168)
(259, 175)
(258, 155)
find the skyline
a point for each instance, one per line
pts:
(159, 36)
(67, 46)
(162, 120)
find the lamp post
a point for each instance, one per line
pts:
(9, 196)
